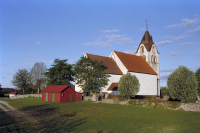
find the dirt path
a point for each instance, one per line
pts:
(16, 114)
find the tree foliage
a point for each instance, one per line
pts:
(37, 78)
(164, 91)
(197, 74)
(129, 85)
(90, 74)
(61, 73)
(20, 79)
(182, 84)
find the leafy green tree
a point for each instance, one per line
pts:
(182, 84)
(61, 73)
(20, 79)
(164, 91)
(90, 74)
(37, 78)
(197, 74)
(129, 85)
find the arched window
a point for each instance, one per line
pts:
(155, 60)
(152, 59)
(153, 48)
(144, 57)
(142, 49)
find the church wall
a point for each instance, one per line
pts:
(118, 62)
(148, 83)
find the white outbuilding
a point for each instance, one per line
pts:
(144, 65)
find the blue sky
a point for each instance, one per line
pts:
(41, 31)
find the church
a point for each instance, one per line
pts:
(144, 65)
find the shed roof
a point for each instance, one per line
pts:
(13, 93)
(56, 88)
(109, 62)
(135, 63)
(113, 87)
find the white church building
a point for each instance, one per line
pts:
(144, 65)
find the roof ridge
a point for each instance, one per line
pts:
(98, 55)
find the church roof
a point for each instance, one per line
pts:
(135, 63)
(109, 62)
(113, 87)
(147, 40)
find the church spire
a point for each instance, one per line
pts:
(146, 25)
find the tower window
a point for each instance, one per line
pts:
(144, 57)
(142, 49)
(152, 59)
(155, 60)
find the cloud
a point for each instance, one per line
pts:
(21, 38)
(164, 77)
(110, 31)
(28, 60)
(2, 64)
(176, 53)
(38, 43)
(178, 37)
(50, 62)
(29, 56)
(188, 43)
(185, 23)
(130, 51)
(71, 61)
(10, 73)
(198, 53)
(168, 70)
(163, 42)
(197, 30)
(98, 42)
(3, 77)
(118, 39)
(43, 61)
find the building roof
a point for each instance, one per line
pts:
(147, 40)
(135, 63)
(56, 88)
(13, 93)
(113, 87)
(109, 62)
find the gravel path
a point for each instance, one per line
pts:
(16, 114)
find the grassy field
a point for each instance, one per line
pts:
(97, 117)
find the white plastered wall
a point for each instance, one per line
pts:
(148, 83)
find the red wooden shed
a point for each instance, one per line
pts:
(60, 93)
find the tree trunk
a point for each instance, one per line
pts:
(38, 90)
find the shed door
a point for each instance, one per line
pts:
(70, 97)
(46, 98)
(53, 97)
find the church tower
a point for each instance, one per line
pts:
(147, 49)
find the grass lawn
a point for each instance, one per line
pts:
(99, 117)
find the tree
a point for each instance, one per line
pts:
(20, 79)
(197, 74)
(164, 91)
(37, 78)
(90, 74)
(182, 84)
(129, 85)
(61, 73)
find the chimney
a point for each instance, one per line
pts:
(51, 84)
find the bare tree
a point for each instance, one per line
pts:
(20, 79)
(37, 75)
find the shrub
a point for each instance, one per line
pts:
(129, 85)
(197, 74)
(182, 84)
(164, 91)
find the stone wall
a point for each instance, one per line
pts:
(25, 96)
(190, 106)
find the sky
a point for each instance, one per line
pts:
(41, 31)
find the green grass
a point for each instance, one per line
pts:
(99, 117)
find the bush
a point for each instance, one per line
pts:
(164, 91)
(129, 85)
(197, 74)
(182, 84)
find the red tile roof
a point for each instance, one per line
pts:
(113, 87)
(13, 93)
(109, 62)
(55, 88)
(135, 63)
